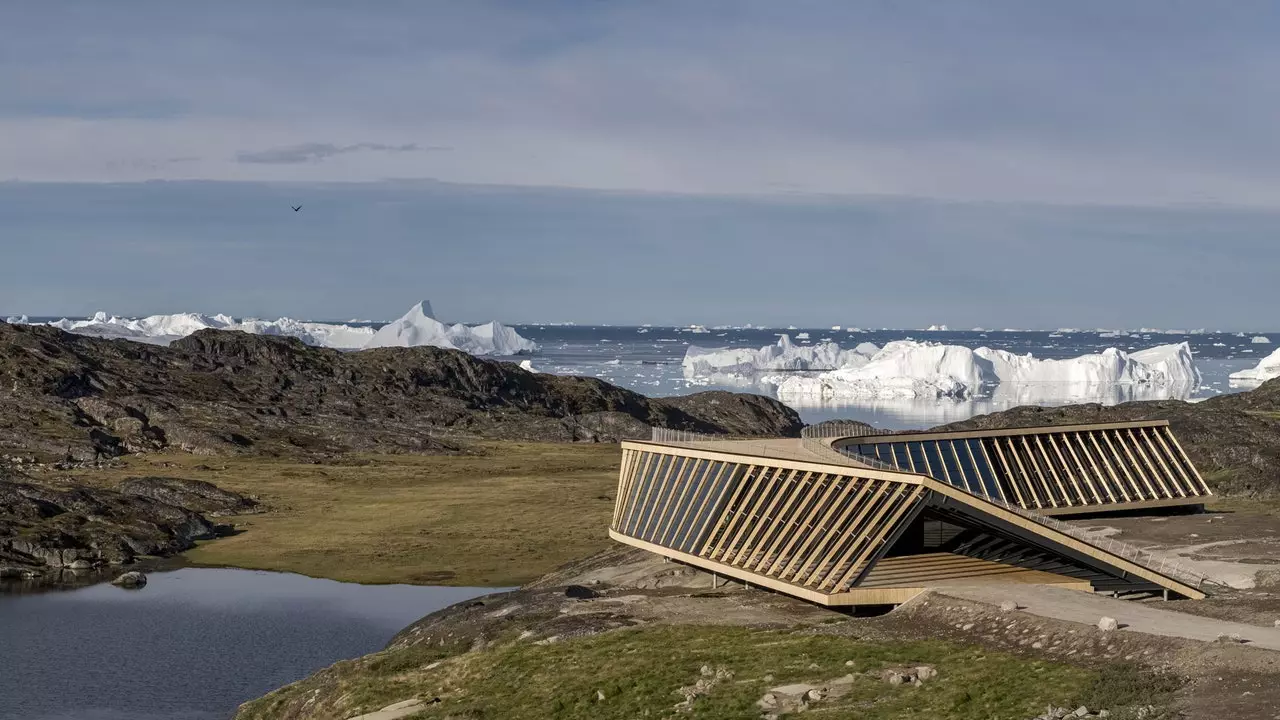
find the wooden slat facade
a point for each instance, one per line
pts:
(834, 533)
(1051, 470)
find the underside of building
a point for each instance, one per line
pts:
(878, 519)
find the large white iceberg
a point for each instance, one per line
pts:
(908, 368)
(1266, 369)
(164, 329)
(782, 356)
(419, 327)
(1260, 340)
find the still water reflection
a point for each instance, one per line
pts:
(193, 644)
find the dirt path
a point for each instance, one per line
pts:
(1087, 608)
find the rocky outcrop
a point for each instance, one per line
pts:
(82, 527)
(67, 396)
(196, 495)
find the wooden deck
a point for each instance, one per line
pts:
(942, 569)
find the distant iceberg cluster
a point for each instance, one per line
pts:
(164, 329)
(418, 327)
(913, 369)
(1266, 369)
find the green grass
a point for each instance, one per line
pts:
(641, 671)
(503, 516)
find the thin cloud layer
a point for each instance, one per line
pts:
(315, 152)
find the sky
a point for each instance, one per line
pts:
(996, 163)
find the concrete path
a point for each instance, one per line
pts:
(1141, 617)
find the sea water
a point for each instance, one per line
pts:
(647, 360)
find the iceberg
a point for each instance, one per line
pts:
(937, 328)
(1260, 340)
(782, 356)
(907, 368)
(164, 329)
(419, 327)
(1266, 369)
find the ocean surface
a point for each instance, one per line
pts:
(191, 645)
(647, 360)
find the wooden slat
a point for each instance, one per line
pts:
(1030, 480)
(721, 530)
(691, 516)
(764, 524)
(690, 481)
(1047, 460)
(1070, 472)
(864, 535)
(910, 496)
(628, 457)
(1139, 467)
(1124, 490)
(1155, 452)
(991, 467)
(1139, 445)
(1006, 432)
(821, 535)
(669, 483)
(1084, 472)
(1017, 491)
(1191, 486)
(646, 485)
(796, 503)
(828, 506)
(748, 518)
(855, 527)
(1201, 485)
(1124, 466)
(1080, 443)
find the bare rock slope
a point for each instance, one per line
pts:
(230, 392)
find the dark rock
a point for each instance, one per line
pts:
(580, 592)
(198, 495)
(79, 527)
(83, 399)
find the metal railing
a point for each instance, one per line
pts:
(842, 429)
(818, 447)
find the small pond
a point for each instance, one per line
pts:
(191, 645)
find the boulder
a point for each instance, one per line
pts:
(1008, 606)
(579, 592)
(131, 579)
(1107, 624)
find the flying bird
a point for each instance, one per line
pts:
(296, 208)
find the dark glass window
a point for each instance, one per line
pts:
(949, 461)
(936, 466)
(917, 457)
(900, 456)
(989, 481)
(971, 479)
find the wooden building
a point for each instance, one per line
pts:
(876, 519)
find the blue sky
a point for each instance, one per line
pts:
(874, 163)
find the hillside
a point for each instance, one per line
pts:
(64, 395)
